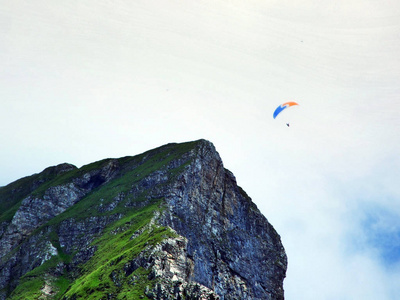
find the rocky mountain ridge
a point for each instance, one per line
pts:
(170, 223)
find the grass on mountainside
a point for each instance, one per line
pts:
(31, 283)
(12, 194)
(107, 193)
(105, 272)
(115, 247)
(29, 289)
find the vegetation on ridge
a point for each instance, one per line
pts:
(12, 194)
(117, 244)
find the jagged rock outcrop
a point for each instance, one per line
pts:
(231, 243)
(171, 223)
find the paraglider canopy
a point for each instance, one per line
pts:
(281, 107)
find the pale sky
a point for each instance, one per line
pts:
(85, 80)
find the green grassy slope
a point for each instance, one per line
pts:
(12, 194)
(104, 273)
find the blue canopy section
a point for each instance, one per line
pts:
(279, 109)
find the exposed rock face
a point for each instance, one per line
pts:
(35, 211)
(168, 224)
(172, 268)
(232, 245)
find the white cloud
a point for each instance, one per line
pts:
(85, 81)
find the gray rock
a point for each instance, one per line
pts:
(223, 248)
(236, 252)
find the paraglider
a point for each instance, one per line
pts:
(283, 106)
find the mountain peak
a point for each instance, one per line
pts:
(170, 223)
